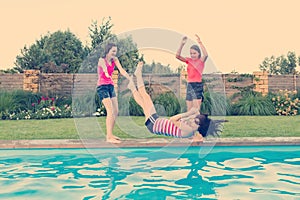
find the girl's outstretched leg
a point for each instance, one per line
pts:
(135, 93)
(149, 108)
(139, 77)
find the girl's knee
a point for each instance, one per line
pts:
(116, 113)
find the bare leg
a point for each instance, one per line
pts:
(115, 112)
(138, 98)
(110, 120)
(148, 103)
(196, 103)
(189, 105)
(136, 95)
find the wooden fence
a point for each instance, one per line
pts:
(68, 84)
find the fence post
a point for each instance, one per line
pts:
(295, 82)
(261, 82)
(31, 81)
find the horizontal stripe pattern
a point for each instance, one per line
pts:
(163, 126)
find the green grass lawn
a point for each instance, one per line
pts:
(133, 127)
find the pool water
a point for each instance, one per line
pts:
(257, 172)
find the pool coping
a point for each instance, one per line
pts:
(149, 142)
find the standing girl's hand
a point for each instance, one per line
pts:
(120, 68)
(203, 49)
(101, 64)
(178, 53)
(183, 41)
(198, 38)
(107, 75)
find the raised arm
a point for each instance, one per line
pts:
(178, 53)
(204, 54)
(121, 69)
(101, 63)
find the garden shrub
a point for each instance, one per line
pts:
(7, 104)
(85, 104)
(215, 104)
(17, 105)
(167, 104)
(286, 102)
(253, 103)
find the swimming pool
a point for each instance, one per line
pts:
(256, 172)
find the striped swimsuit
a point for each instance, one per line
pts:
(162, 126)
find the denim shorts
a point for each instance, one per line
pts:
(150, 122)
(194, 90)
(106, 91)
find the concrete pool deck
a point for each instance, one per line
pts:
(148, 142)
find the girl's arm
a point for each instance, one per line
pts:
(204, 54)
(187, 130)
(121, 69)
(101, 64)
(192, 112)
(178, 53)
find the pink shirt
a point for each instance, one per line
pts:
(194, 70)
(102, 79)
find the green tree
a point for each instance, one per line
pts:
(33, 57)
(64, 48)
(101, 35)
(180, 69)
(60, 51)
(157, 68)
(128, 53)
(281, 65)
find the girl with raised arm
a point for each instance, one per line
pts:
(182, 125)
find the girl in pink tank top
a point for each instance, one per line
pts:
(106, 90)
(106, 79)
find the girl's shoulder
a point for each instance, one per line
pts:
(101, 60)
(188, 60)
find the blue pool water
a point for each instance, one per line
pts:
(258, 172)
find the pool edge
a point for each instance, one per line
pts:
(153, 142)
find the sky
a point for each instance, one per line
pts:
(238, 35)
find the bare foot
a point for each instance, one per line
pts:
(139, 68)
(117, 138)
(113, 140)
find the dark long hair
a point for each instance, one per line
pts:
(209, 127)
(108, 48)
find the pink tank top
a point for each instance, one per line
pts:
(163, 126)
(102, 79)
(194, 70)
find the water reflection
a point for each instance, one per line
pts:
(115, 176)
(198, 186)
(225, 173)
